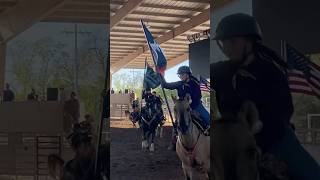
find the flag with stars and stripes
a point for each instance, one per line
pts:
(303, 74)
(204, 85)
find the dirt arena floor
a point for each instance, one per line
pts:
(128, 161)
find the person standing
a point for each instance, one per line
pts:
(8, 94)
(71, 111)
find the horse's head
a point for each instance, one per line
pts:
(235, 153)
(182, 113)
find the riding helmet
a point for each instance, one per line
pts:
(184, 69)
(238, 24)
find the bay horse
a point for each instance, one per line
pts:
(192, 147)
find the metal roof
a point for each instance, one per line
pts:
(170, 21)
(72, 11)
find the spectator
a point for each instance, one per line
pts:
(62, 94)
(71, 111)
(132, 96)
(120, 92)
(8, 94)
(112, 91)
(33, 95)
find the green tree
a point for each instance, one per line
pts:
(126, 80)
(21, 67)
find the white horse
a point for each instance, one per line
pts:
(235, 153)
(192, 147)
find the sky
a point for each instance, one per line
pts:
(170, 74)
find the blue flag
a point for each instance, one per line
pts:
(151, 79)
(156, 51)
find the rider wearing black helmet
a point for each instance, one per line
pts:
(148, 96)
(190, 85)
(256, 73)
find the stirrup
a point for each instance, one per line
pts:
(206, 131)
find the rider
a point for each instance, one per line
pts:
(154, 103)
(256, 73)
(190, 85)
(148, 96)
(134, 115)
(158, 101)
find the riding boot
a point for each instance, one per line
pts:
(206, 131)
(204, 127)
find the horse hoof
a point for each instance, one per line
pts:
(144, 144)
(152, 147)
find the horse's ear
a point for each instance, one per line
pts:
(174, 98)
(188, 98)
(249, 114)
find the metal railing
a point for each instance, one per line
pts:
(308, 135)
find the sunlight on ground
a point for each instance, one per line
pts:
(127, 124)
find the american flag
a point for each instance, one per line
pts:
(303, 75)
(204, 85)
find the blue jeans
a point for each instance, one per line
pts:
(301, 165)
(203, 113)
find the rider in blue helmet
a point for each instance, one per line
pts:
(256, 73)
(190, 85)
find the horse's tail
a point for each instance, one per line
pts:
(55, 166)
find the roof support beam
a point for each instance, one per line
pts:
(23, 15)
(184, 27)
(87, 20)
(219, 4)
(178, 60)
(172, 7)
(124, 11)
(195, 1)
(2, 65)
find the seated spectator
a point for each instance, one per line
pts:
(32, 96)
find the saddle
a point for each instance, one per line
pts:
(196, 119)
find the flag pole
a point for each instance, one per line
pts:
(144, 76)
(159, 75)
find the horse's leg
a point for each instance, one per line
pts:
(144, 137)
(185, 172)
(161, 131)
(157, 131)
(152, 135)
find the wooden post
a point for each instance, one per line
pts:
(2, 65)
